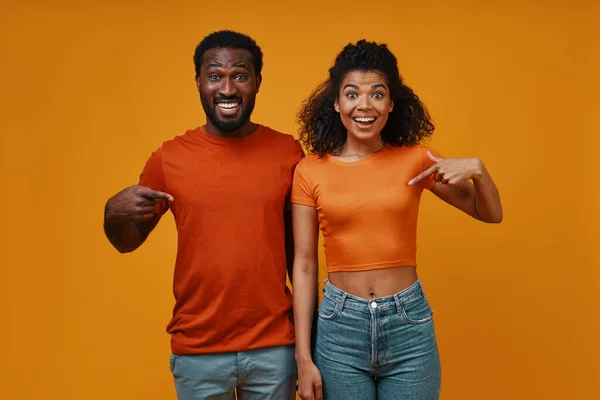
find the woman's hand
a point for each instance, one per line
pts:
(309, 381)
(451, 171)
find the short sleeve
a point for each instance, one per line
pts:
(153, 177)
(298, 154)
(426, 163)
(302, 187)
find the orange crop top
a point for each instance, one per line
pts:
(366, 209)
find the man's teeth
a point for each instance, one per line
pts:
(367, 120)
(228, 105)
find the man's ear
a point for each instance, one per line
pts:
(258, 82)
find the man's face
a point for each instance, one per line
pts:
(228, 86)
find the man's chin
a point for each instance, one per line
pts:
(229, 125)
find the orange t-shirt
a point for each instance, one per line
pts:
(230, 272)
(366, 209)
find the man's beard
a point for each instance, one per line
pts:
(228, 125)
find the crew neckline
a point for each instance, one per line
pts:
(258, 132)
(367, 159)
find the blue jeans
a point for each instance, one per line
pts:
(262, 374)
(380, 349)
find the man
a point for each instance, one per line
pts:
(227, 184)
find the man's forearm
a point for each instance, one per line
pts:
(127, 236)
(124, 236)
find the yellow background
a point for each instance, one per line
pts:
(90, 89)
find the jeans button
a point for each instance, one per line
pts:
(373, 304)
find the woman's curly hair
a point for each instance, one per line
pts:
(321, 128)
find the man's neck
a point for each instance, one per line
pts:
(247, 129)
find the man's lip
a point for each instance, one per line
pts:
(233, 108)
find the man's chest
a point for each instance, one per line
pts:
(228, 181)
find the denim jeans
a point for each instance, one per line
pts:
(380, 349)
(262, 374)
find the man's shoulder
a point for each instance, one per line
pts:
(189, 136)
(283, 143)
(177, 144)
(281, 138)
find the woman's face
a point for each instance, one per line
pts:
(364, 103)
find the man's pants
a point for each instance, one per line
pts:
(262, 374)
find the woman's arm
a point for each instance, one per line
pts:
(479, 199)
(306, 269)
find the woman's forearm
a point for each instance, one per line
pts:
(304, 290)
(487, 200)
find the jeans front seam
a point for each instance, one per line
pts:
(383, 356)
(373, 339)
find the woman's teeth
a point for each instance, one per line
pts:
(364, 120)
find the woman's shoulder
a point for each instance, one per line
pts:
(408, 148)
(312, 161)
(311, 167)
(417, 150)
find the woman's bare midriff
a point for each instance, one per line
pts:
(374, 283)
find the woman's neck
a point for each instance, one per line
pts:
(360, 148)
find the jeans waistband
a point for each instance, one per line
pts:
(347, 300)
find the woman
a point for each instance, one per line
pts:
(361, 187)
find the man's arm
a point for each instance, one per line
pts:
(130, 216)
(128, 236)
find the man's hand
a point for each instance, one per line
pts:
(134, 204)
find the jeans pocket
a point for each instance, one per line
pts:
(417, 311)
(172, 362)
(328, 309)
